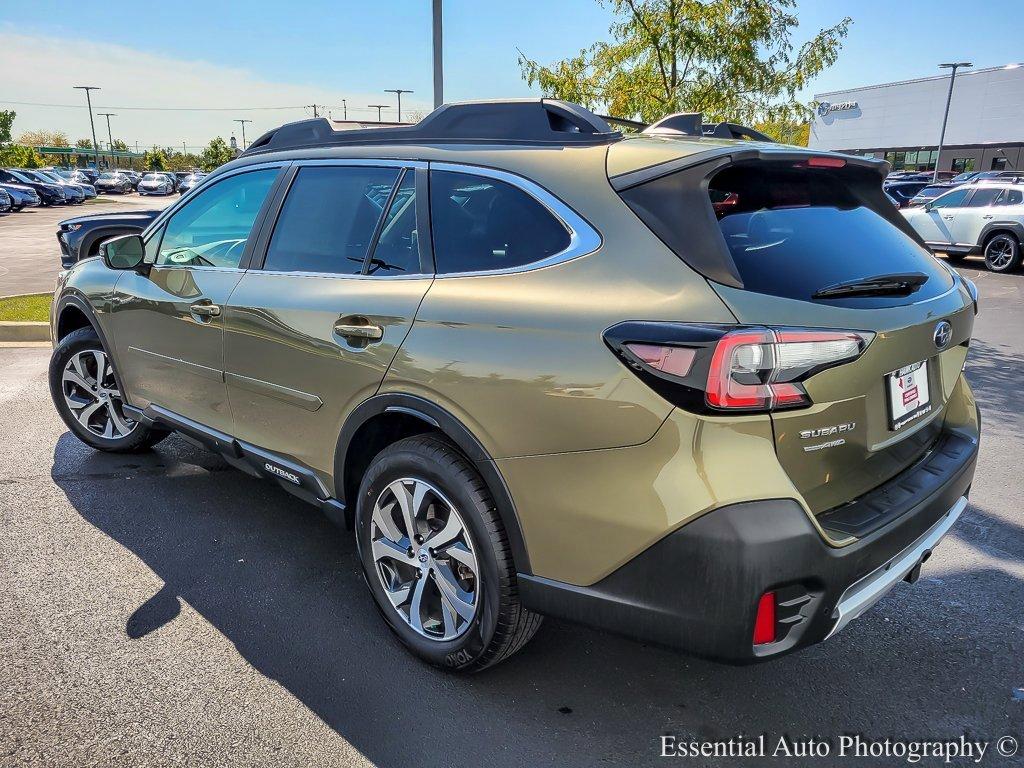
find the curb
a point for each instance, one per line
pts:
(24, 331)
(23, 295)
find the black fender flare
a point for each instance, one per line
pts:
(73, 298)
(437, 417)
(1016, 227)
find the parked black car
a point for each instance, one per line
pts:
(904, 191)
(49, 194)
(81, 236)
(22, 196)
(6, 204)
(72, 192)
(114, 181)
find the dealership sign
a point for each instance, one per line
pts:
(827, 108)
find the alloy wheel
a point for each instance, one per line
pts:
(424, 558)
(91, 393)
(1000, 252)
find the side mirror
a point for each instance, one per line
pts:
(928, 207)
(124, 252)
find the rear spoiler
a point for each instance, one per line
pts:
(690, 124)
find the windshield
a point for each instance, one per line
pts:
(109, 175)
(929, 192)
(154, 177)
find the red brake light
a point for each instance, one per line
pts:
(826, 162)
(764, 623)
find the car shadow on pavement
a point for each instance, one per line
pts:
(994, 374)
(284, 586)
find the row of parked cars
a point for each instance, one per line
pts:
(153, 183)
(909, 189)
(30, 187)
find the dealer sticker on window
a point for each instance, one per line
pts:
(908, 395)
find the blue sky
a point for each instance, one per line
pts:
(261, 53)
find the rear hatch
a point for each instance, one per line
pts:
(800, 243)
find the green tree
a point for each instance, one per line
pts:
(786, 131)
(729, 59)
(216, 153)
(17, 156)
(83, 144)
(154, 160)
(6, 121)
(120, 146)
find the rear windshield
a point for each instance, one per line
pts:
(792, 231)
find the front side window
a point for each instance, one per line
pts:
(212, 228)
(328, 219)
(482, 224)
(953, 199)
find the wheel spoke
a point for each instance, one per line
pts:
(460, 553)
(382, 518)
(399, 596)
(76, 363)
(101, 365)
(451, 621)
(122, 426)
(452, 528)
(405, 504)
(415, 606)
(452, 592)
(385, 548)
(108, 428)
(86, 413)
(75, 378)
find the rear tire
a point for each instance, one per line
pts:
(455, 603)
(1002, 252)
(88, 398)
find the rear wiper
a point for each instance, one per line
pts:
(881, 285)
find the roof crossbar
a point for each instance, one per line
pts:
(516, 121)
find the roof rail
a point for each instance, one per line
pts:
(515, 121)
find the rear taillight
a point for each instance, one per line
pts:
(761, 369)
(714, 368)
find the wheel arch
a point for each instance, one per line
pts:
(1014, 228)
(72, 308)
(382, 419)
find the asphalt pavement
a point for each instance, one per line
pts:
(164, 609)
(29, 253)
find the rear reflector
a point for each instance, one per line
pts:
(764, 624)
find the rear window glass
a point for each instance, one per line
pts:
(792, 231)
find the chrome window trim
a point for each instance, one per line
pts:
(383, 162)
(584, 239)
(337, 275)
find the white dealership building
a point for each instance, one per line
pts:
(901, 122)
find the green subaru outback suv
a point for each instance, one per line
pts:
(698, 390)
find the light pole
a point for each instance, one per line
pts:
(243, 122)
(344, 109)
(92, 124)
(398, 92)
(953, 66)
(378, 107)
(110, 136)
(438, 58)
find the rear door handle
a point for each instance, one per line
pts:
(988, 216)
(205, 310)
(948, 218)
(349, 329)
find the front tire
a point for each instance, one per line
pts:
(436, 557)
(88, 398)
(1002, 252)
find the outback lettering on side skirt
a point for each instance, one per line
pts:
(291, 477)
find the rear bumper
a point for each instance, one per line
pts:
(697, 588)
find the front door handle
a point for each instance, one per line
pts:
(205, 310)
(948, 218)
(347, 328)
(988, 216)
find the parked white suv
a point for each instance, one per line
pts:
(976, 218)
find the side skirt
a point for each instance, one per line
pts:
(295, 478)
